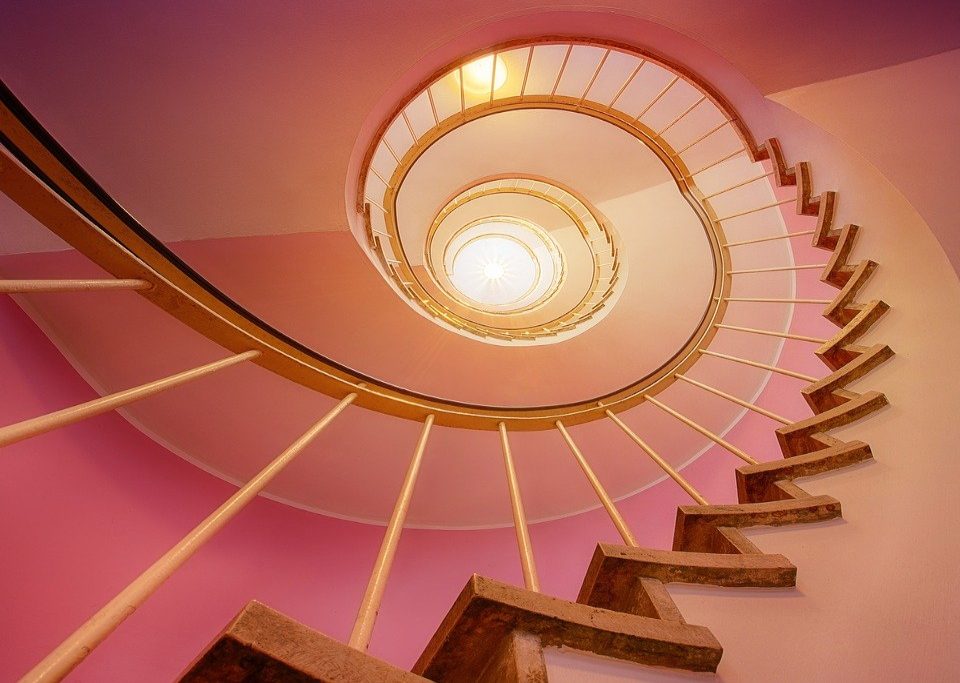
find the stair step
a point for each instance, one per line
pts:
(488, 614)
(698, 526)
(261, 644)
(614, 579)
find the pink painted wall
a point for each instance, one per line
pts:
(852, 109)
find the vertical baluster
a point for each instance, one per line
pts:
(519, 517)
(72, 651)
(703, 430)
(772, 333)
(739, 401)
(601, 492)
(45, 423)
(672, 473)
(762, 366)
(370, 605)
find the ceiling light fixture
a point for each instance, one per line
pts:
(480, 74)
(495, 269)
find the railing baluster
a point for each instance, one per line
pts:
(690, 145)
(681, 116)
(29, 286)
(762, 300)
(778, 269)
(759, 208)
(757, 364)
(717, 162)
(593, 80)
(784, 236)
(563, 66)
(664, 465)
(527, 563)
(526, 73)
(740, 184)
(626, 84)
(601, 492)
(739, 401)
(60, 418)
(656, 99)
(493, 78)
(74, 649)
(717, 439)
(370, 605)
(771, 333)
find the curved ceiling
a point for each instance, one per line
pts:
(547, 153)
(320, 288)
(657, 234)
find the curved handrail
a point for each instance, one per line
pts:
(40, 175)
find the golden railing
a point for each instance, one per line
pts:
(49, 184)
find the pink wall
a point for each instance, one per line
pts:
(854, 109)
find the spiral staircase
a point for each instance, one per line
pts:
(495, 631)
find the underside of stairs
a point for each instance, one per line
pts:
(497, 632)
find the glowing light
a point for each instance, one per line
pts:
(493, 271)
(480, 73)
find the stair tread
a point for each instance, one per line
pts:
(264, 645)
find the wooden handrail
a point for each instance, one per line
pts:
(40, 176)
(31, 286)
(91, 221)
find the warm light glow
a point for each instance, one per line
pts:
(502, 264)
(493, 271)
(480, 73)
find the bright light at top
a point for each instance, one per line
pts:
(480, 73)
(493, 271)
